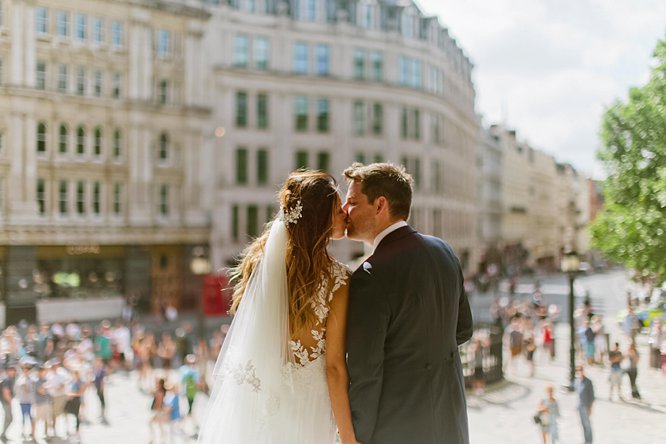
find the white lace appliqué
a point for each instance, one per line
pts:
(320, 305)
(243, 374)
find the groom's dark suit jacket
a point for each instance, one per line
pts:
(408, 313)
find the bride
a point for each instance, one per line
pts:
(281, 377)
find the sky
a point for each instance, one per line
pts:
(549, 68)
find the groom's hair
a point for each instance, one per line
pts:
(384, 179)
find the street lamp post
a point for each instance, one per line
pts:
(570, 264)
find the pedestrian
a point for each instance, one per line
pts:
(43, 411)
(655, 339)
(172, 409)
(585, 391)
(73, 405)
(548, 339)
(58, 381)
(25, 392)
(588, 345)
(530, 345)
(615, 358)
(632, 370)
(479, 379)
(631, 324)
(189, 380)
(103, 347)
(515, 340)
(599, 339)
(7, 387)
(99, 374)
(549, 411)
(159, 417)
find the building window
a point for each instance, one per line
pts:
(63, 139)
(252, 221)
(63, 193)
(261, 53)
(250, 6)
(262, 167)
(97, 143)
(62, 78)
(262, 111)
(81, 25)
(62, 23)
(377, 119)
(410, 72)
(164, 200)
(360, 157)
(368, 16)
(240, 51)
(163, 148)
(407, 24)
(80, 141)
(163, 43)
(436, 129)
(323, 113)
(436, 176)
(311, 10)
(41, 196)
(41, 137)
(322, 54)
(241, 109)
(117, 34)
(98, 30)
(300, 58)
(117, 198)
(323, 161)
(234, 222)
(117, 84)
(42, 20)
(416, 124)
(97, 83)
(301, 113)
(163, 95)
(410, 123)
(241, 166)
(97, 198)
(40, 80)
(359, 64)
(80, 198)
(117, 143)
(358, 116)
(301, 159)
(81, 81)
(377, 61)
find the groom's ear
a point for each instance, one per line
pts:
(382, 204)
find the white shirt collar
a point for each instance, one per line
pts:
(386, 231)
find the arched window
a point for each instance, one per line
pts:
(41, 137)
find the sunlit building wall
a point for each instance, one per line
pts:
(321, 84)
(102, 116)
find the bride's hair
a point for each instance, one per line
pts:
(307, 257)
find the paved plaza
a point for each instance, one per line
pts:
(502, 415)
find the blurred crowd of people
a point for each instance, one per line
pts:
(45, 371)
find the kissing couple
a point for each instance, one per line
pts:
(315, 350)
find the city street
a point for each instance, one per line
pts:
(502, 415)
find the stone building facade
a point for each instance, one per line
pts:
(102, 118)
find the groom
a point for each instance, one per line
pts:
(407, 315)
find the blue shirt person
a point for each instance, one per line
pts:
(585, 391)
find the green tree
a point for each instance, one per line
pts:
(632, 228)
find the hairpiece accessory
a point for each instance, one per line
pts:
(292, 216)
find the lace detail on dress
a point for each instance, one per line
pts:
(320, 305)
(243, 374)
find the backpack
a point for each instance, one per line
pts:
(190, 386)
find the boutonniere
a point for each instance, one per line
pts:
(367, 267)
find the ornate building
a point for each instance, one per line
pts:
(102, 121)
(321, 84)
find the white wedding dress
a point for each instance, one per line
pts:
(269, 388)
